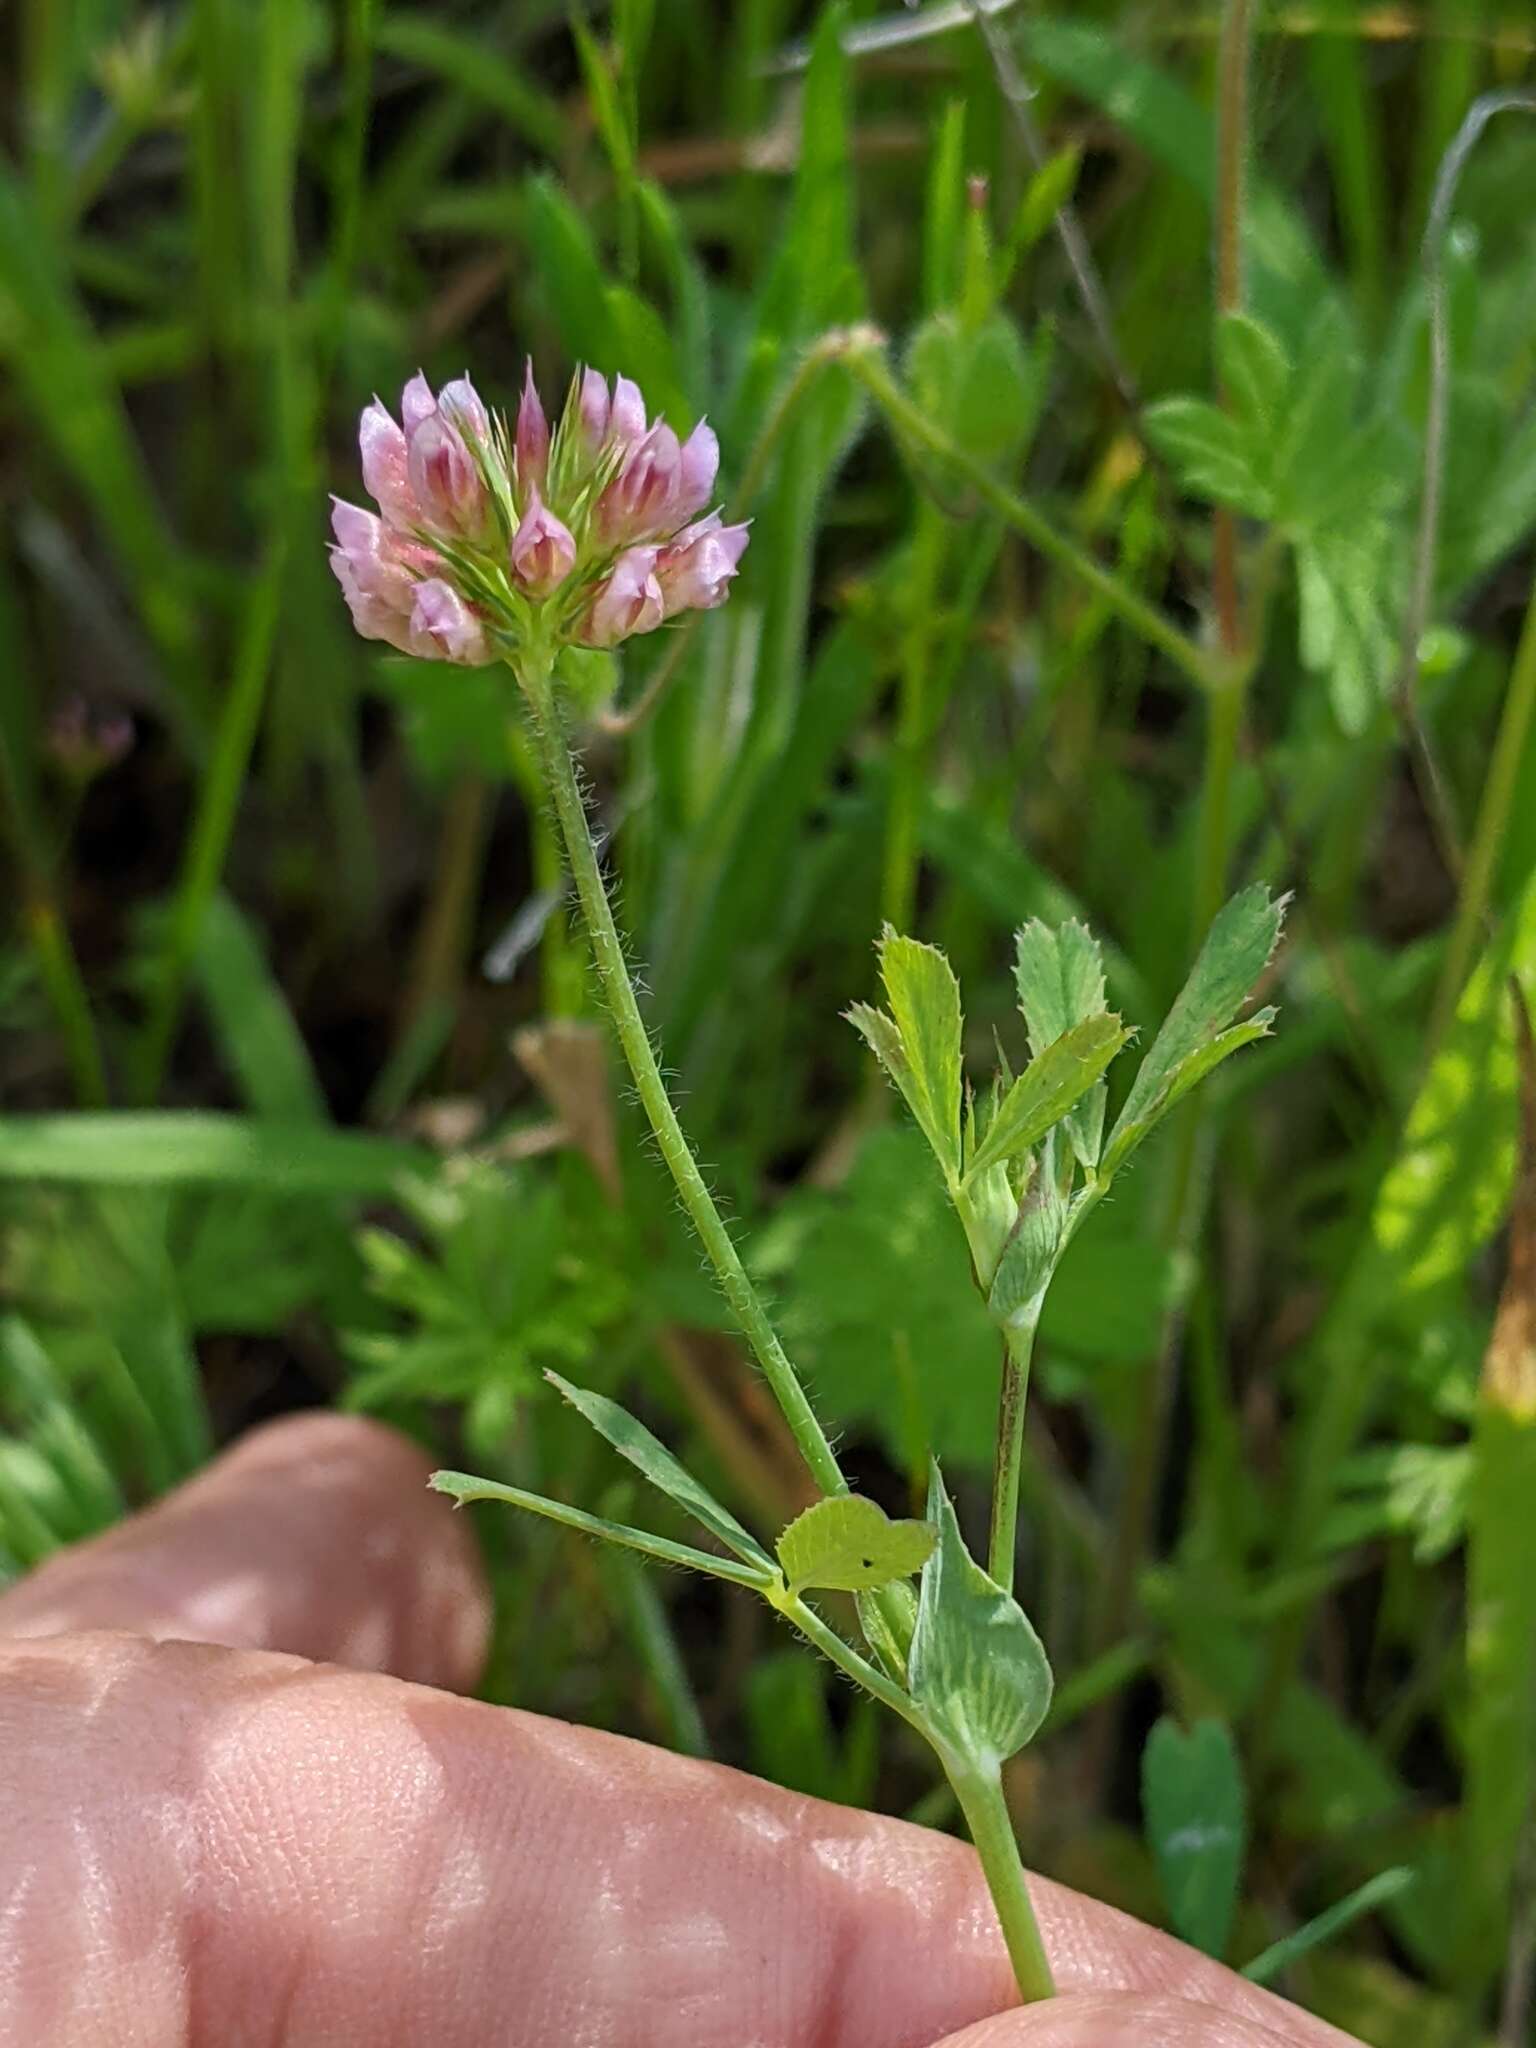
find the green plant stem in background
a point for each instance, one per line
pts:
(437, 968)
(868, 365)
(1509, 748)
(1018, 1348)
(913, 721)
(57, 967)
(59, 971)
(214, 824)
(613, 972)
(991, 1829)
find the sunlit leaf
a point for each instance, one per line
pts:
(1449, 1187)
(849, 1544)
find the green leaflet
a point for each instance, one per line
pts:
(978, 1670)
(464, 1486)
(918, 1044)
(1196, 1818)
(1211, 453)
(1255, 370)
(650, 1457)
(1048, 1088)
(1188, 1074)
(1236, 952)
(1059, 973)
(849, 1544)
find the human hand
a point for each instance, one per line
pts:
(243, 1844)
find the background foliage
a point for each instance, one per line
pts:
(303, 1098)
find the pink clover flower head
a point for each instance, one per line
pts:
(696, 569)
(543, 549)
(586, 531)
(628, 600)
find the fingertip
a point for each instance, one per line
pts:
(1121, 2020)
(315, 1534)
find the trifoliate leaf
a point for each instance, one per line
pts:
(1049, 1086)
(1196, 1819)
(649, 1456)
(977, 1669)
(849, 1544)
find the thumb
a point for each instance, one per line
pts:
(1124, 2019)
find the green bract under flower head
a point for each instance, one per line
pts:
(486, 538)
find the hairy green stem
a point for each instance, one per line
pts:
(848, 1660)
(613, 973)
(980, 1795)
(1018, 1348)
(991, 1828)
(1017, 511)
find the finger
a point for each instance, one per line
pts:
(246, 1849)
(1128, 2020)
(315, 1535)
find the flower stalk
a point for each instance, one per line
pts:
(534, 674)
